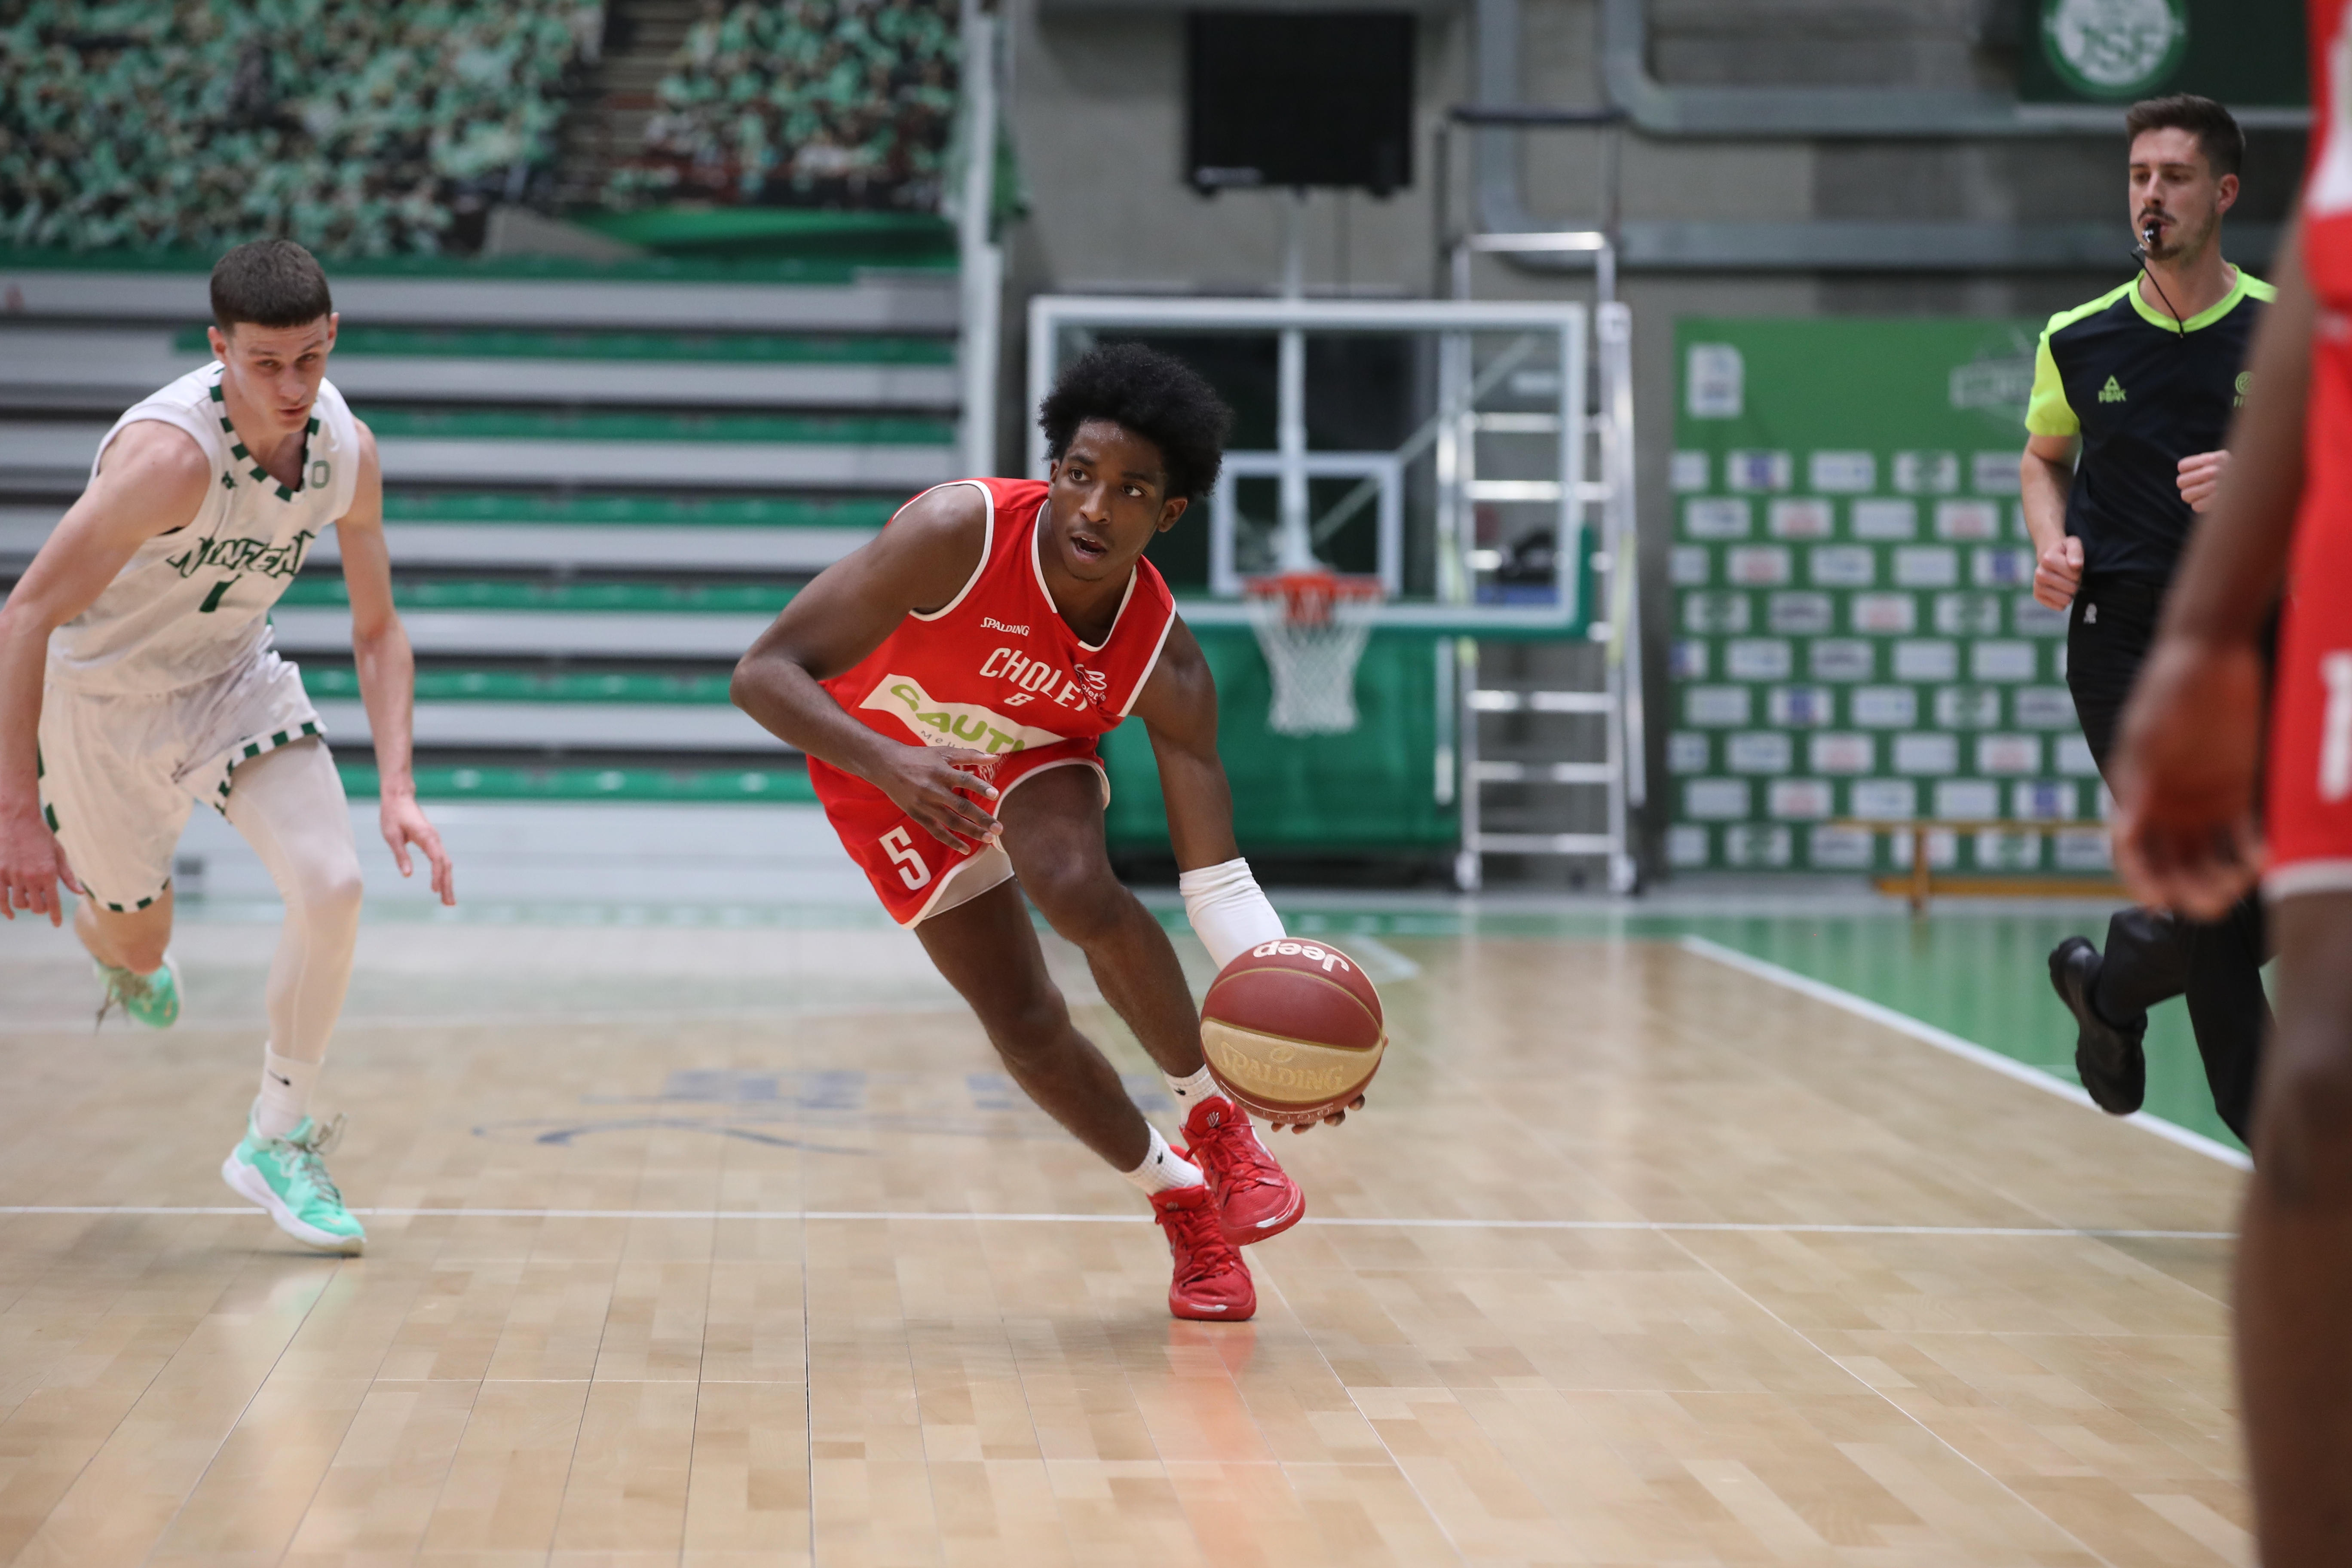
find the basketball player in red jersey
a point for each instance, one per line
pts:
(949, 682)
(2186, 837)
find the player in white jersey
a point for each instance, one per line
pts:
(137, 679)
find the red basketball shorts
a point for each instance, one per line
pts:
(2310, 785)
(915, 875)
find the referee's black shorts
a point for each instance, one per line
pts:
(2108, 635)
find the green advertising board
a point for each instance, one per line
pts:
(1374, 791)
(1854, 634)
(2246, 53)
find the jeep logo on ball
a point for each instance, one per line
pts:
(1306, 950)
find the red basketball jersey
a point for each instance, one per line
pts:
(2327, 263)
(2328, 186)
(2310, 776)
(997, 670)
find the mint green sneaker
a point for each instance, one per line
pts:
(288, 1177)
(151, 999)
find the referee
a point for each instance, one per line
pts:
(2132, 395)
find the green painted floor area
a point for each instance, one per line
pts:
(1983, 976)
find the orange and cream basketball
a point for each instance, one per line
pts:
(1292, 1030)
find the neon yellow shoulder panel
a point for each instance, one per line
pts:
(2046, 411)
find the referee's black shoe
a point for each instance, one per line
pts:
(2109, 1060)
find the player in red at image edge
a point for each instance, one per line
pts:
(2186, 837)
(949, 682)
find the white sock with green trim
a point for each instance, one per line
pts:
(286, 1085)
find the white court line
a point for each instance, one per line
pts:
(884, 1216)
(1943, 1040)
(1398, 965)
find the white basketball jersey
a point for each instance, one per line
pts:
(194, 602)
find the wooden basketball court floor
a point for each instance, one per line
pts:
(719, 1240)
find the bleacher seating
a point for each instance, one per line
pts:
(350, 125)
(602, 478)
(823, 103)
(600, 483)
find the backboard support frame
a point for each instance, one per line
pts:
(1455, 609)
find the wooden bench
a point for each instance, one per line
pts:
(1922, 884)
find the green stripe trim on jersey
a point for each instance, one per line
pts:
(252, 748)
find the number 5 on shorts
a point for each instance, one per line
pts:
(900, 846)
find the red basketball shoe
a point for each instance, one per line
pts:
(1212, 1283)
(1255, 1198)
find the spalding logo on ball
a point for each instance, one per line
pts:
(1292, 1030)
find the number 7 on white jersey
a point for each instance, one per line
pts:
(900, 846)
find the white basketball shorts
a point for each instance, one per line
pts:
(119, 773)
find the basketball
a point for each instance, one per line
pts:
(1292, 1030)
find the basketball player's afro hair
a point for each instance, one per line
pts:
(1157, 396)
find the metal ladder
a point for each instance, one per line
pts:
(1566, 765)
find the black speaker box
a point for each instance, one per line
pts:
(1285, 98)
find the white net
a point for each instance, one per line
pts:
(1312, 626)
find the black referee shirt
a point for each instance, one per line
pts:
(2143, 392)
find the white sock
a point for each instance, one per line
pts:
(1190, 1091)
(1161, 1171)
(286, 1085)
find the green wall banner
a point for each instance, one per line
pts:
(1371, 791)
(1856, 638)
(2245, 53)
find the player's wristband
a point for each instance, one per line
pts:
(1228, 913)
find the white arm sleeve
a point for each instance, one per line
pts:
(1228, 913)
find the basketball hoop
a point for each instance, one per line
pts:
(1312, 626)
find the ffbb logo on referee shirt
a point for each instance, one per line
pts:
(2113, 392)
